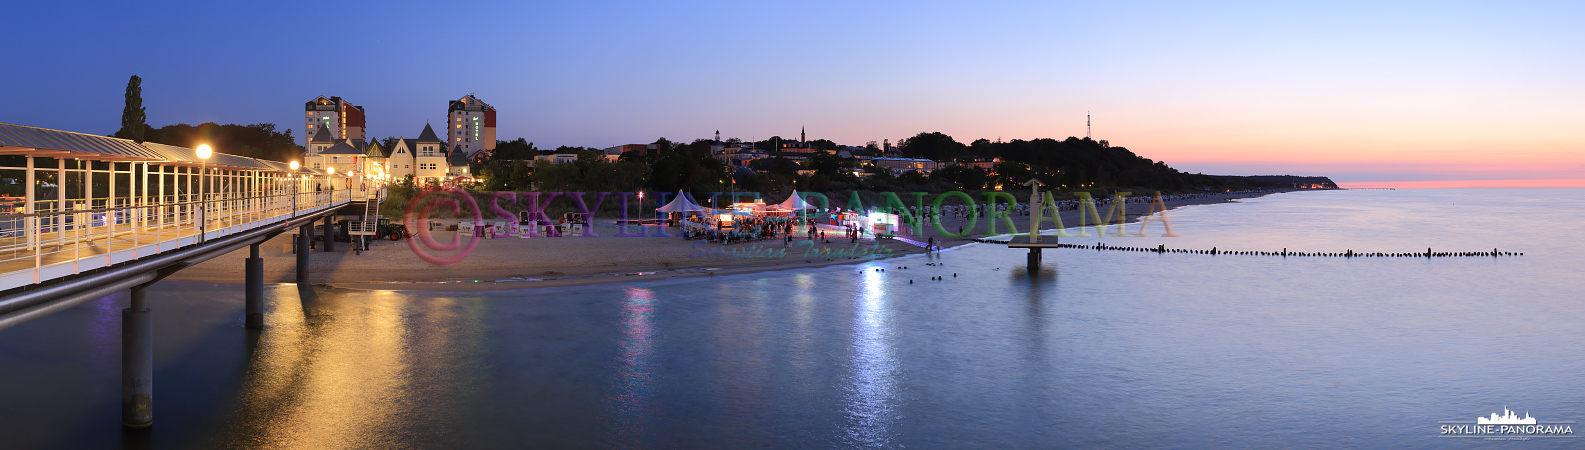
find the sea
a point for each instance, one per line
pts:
(966, 348)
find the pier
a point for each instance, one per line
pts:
(95, 215)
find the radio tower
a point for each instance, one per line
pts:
(1086, 124)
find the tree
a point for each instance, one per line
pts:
(936, 146)
(515, 149)
(133, 116)
(662, 145)
(259, 140)
(969, 178)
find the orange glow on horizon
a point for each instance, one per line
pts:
(1453, 184)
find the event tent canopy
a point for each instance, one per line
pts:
(795, 202)
(680, 204)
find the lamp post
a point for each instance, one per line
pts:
(294, 165)
(203, 190)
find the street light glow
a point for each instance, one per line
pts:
(204, 152)
(295, 165)
(332, 170)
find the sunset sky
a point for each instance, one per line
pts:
(1373, 93)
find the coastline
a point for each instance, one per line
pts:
(518, 263)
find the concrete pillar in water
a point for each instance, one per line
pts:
(330, 236)
(1034, 258)
(254, 277)
(304, 235)
(137, 363)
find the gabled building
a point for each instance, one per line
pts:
(457, 163)
(342, 156)
(402, 160)
(332, 114)
(430, 161)
(320, 141)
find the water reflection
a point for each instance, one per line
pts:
(338, 378)
(629, 399)
(870, 403)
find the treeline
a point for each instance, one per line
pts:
(259, 140)
(671, 167)
(1073, 162)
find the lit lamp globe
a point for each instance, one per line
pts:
(295, 165)
(204, 152)
(332, 170)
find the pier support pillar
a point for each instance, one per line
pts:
(254, 278)
(137, 363)
(330, 234)
(304, 236)
(1034, 258)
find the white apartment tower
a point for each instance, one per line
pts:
(343, 120)
(470, 124)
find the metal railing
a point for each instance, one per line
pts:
(41, 246)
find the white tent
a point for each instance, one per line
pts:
(680, 204)
(795, 202)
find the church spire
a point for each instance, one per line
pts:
(801, 134)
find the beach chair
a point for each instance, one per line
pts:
(499, 230)
(513, 229)
(465, 229)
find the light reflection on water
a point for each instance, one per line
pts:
(330, 375)
(1096, 349)
(630, 398)
(870, 400)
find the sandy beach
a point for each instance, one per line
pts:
(513, 263)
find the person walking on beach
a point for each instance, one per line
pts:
(930, 244)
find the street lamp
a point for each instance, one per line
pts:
(293, 176)
(203, 189)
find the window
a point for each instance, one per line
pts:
(459, 125)
(459, 119)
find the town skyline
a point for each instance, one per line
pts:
(1386, 93)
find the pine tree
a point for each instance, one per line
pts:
(132, 126)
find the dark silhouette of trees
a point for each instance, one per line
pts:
(259, 140)
(134, 115)
(935, 146)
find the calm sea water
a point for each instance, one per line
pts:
(1096, 350)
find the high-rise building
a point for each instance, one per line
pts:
(343, 120)
(470, 124)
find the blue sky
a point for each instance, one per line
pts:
(1362, 91)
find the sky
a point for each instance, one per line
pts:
(1378, 94)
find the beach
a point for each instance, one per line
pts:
(514, 263)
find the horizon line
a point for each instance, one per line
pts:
(1555, 183)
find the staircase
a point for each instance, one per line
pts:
(367, 229)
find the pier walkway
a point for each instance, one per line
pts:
(85, 216)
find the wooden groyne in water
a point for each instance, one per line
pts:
(1162, 249)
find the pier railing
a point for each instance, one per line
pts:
(41, 246)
